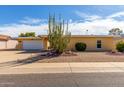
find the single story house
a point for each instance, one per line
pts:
(6, 42)
(93, 42)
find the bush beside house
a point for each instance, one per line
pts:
(80, 46)
(120, 46)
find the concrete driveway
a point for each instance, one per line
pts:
(12, 55)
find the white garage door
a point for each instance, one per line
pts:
(34, 44)
(3, 45)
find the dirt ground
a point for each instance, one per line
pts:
(86, 57)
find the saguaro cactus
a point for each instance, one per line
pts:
(58, 34)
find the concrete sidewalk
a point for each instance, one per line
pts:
(79, 67)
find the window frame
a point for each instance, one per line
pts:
(99, 44)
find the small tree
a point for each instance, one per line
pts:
(22, 35)
(58, 36)
(27, 34)
(115, 31)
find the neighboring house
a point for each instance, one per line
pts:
(6, 42)
(93, 42)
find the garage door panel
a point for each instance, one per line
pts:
(34, 44)
(3, 45)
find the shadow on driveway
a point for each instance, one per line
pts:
(32, 59)
(32, 51)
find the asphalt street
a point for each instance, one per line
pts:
(109, 79)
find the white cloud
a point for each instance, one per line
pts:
(95, 24)
(118, 14)
(15, 29)
(96, 27)
(27, 25)
(87, 17)
(28, 20)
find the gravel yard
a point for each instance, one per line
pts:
(6, 56)
(86, 57)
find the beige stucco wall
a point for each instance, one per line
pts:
(91, 42)
(45, 43)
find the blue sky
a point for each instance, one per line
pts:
(97, 19)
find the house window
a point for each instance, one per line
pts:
(99, 45)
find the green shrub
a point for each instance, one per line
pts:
(80, 46)
(120, 46)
